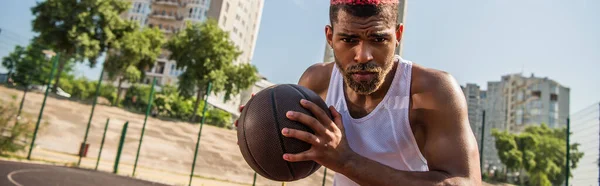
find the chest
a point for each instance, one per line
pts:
(385, 135)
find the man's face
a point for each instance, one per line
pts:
(363, 49)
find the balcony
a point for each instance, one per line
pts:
(174, 3)
(169, 16)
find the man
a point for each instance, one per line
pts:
(394, 122)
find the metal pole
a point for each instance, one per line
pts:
(120, 149)
(144, 126)
(37, 125)
(87, 129)
(254, 181)
(324, 176)
(200, 131)
(102, 143)
(568, 152)
(482, 142)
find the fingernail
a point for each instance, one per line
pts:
(290, 113)
(286, 157)
(285, 131)
(303, 101)
(253, 94)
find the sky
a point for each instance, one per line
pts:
(476, 41)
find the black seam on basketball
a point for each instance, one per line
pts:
(305, 96)
(245, 140)
(274, 105)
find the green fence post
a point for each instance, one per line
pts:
(120, 149)
(37, 125)
(200, 131)
(144, 126)
(324, 176)
(102, 143)
(254, 182)
(482, 144)
(87, 129)
(568, 152)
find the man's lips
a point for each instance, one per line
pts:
(363, 75)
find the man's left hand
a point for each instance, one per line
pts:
(329, 145)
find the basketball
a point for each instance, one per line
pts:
(259, 132)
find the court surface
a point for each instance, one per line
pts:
(26, 174)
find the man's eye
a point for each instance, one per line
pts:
(380, 39)
(348, 40)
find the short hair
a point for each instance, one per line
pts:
(364, 10)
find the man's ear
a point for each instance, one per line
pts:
(399, 32)
(329, 34)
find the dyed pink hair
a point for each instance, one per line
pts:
(363, 2)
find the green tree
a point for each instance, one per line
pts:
(10, 62)
(29, 65)
(207, 54)
(134, 52)
(79, 29)
(540, 151)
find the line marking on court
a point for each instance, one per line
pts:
(20, 171)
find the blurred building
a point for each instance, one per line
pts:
(241, 18)
(328, 56)
(475, 101)
(515, 102)
(585, 130)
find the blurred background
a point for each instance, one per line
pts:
(120, 86)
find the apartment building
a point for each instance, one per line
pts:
(473, 96)
(241, 18)
(518, 101)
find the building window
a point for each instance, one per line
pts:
(226, 6)
(224, 20)
(553, 97)
(237, 17)
(536, 94)
(235, 30)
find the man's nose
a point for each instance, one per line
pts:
(363, 53)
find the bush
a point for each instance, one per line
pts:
(137, 97)
(12, 135)
(218, 117)
(109, 92)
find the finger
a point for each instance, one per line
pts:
(253, 94)
(337, 117)
(236, 123)
(317, 111)
(307, 120)
(241, 108)
(303, 156)
(302, 136)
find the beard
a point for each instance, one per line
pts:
(365, 87)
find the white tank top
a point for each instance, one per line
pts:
(384, 135)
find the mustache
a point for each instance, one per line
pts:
(364, 67)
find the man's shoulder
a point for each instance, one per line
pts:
(432, 80)
(433, 89)
(316, 77)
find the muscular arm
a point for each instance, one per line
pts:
(450, 147)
